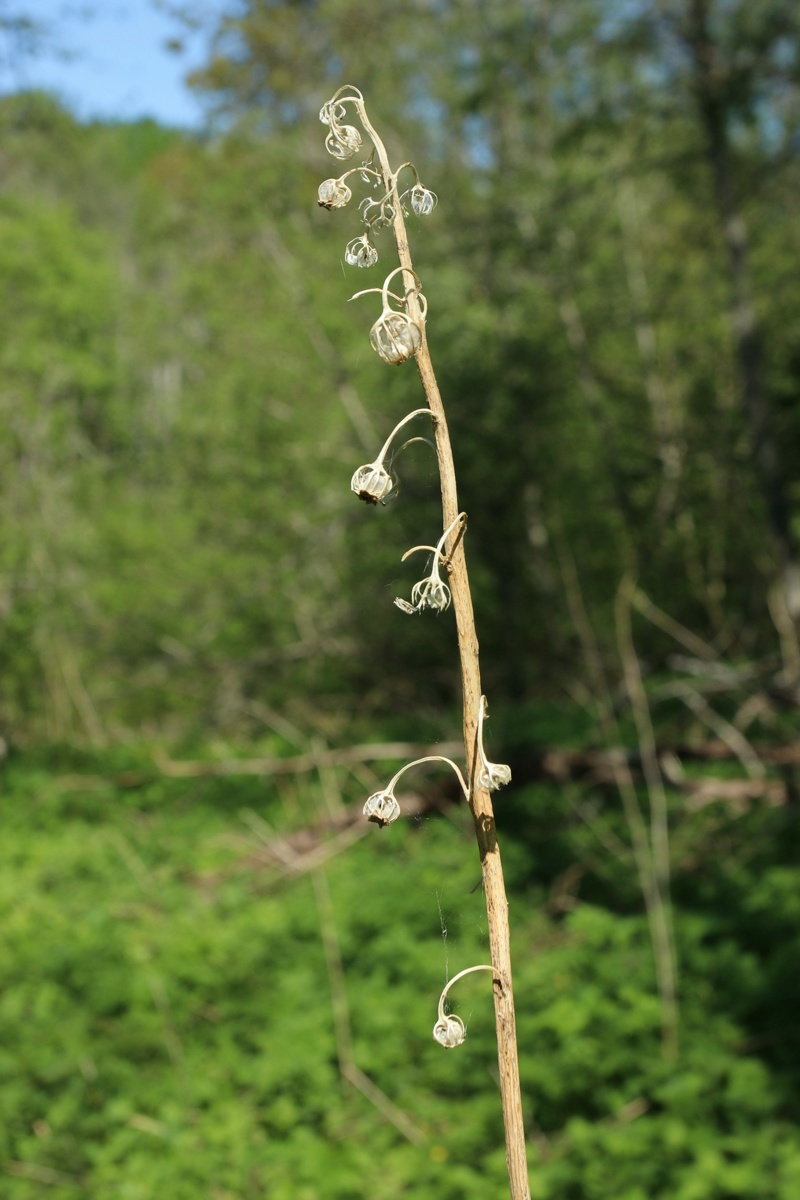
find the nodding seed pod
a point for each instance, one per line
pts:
(382, 808)
(395, 337)
(372, 483)
(360, 252)
(491, 776)
(331, 110)
(430, 592)
(494, 776)
(343, 141)
(423, 201)
(333, 193)
(450, 1031)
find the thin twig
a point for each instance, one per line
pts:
(640, 841)
(725, 731)
(659, 824)
(299, 861)
(297, 764)
(341, 1018)
(690, 641)
(38, 1174)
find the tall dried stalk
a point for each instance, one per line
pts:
(398, 336)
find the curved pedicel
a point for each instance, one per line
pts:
(491, 775)
(449, 1030)
(373, 482)
(382, 807)
(432, 591)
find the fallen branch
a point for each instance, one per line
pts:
(595, 766)
(734, 792)
(297, 764)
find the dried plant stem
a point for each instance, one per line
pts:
(480, 800)
(695, 645)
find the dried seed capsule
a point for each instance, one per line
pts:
(491, 775)
(395, 337)
(331, 111)
(382, 808)
(343, 141)
(372, 483)
(360, 252)
(450, 1032)
(332, 193)
(431, 593)
(423, 201)
(494, 775)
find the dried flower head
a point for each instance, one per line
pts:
(396, 336)
(373, 482)
(331, 108)
(449, 1030)
(360, 252)
(333, 193)
(382, 807)
(343, 140)
(423, 201)
(430, 592)
(493, 776)
(490, 775)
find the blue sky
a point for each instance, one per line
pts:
(107, 58)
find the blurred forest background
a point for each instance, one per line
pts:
(215, 981)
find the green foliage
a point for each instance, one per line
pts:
(182, 306)
(168, 1015)
(184, 395)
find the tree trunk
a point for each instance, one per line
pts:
(709, 86)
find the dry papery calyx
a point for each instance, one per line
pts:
(382, 807)
(360, 252)
(375, 482)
